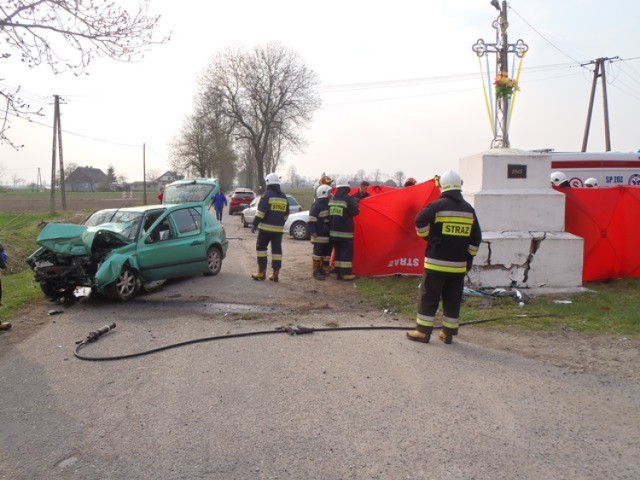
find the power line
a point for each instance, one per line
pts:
(543, 37)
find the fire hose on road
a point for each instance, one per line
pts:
(298, 330)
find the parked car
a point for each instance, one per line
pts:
(196, 190)
(249, 213)
(297, 225)
(118, 251)
(240, 199)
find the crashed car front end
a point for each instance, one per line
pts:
(73, 256)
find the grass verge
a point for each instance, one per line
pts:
(608, 307)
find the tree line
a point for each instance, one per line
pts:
(250, 109)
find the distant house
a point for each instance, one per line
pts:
(155, 184)
(84, 179)
(168, 177)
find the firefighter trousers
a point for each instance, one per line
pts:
(344, 255)
(262, 245)
(436, 286)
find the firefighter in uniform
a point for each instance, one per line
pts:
(319, 230)
(342, 209)
(453, 235)
(273, 210)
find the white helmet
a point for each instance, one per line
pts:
(557, 178)
(450, 180)
(323, 191)
(342, 182)
(272, 179)
(591, 182)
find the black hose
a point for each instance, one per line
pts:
(290, 330)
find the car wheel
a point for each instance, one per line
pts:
(300, 231)
(53, 293)
(214, 260)
(244, 222)
(125, 286)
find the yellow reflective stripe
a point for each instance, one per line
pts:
(466, 221)
(259, 214)
(312, 219)
(344, 264)
(262, 254)
(438, 268)
(276, 257)
(320, 240)
(270, 228)
(450, 322)
(423, 231)
(445, 266)
(324, 213)
(454, 214)
(338, 203)
(341, 234)
(424, 320)
(473, 251)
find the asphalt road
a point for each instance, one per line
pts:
(339, 405)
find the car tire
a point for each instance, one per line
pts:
(53, 293)
(300, 231)
(214, 261)
(244, 222)
(125, 286)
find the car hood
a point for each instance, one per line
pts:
(70, 239)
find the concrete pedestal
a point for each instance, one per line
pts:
(522, 220)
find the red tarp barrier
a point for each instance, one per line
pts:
(385, 234)
(607, 220)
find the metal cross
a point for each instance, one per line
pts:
(501, 48)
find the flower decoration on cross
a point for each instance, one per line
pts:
(505, 86)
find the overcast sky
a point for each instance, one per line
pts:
(400, 84)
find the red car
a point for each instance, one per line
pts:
(240, 199)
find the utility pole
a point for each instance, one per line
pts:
(52, 200)
(501, 48)
(63, 193)
(57, 146)
(599, 71)
(144, 174)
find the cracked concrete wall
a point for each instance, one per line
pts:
(528, 259)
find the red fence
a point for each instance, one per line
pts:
(608, 219)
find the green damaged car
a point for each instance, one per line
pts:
(118, 251)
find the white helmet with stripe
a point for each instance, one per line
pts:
(450, 180)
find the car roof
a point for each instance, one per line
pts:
(204, 181)
(146, 208)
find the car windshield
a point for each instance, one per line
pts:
(188, 192)
(124, 222)
(243, 194)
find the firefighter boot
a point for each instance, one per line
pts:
(317, 270)
(274, 276)
(348, 277)
(446, 335)
(261, 275)
(420, 334)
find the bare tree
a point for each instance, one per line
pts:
(267, 94)
(41, 32)
(204, 145)
(399, 177)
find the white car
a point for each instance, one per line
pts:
(249, 213)
(297, 225)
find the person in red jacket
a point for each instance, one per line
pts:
(453, 235)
